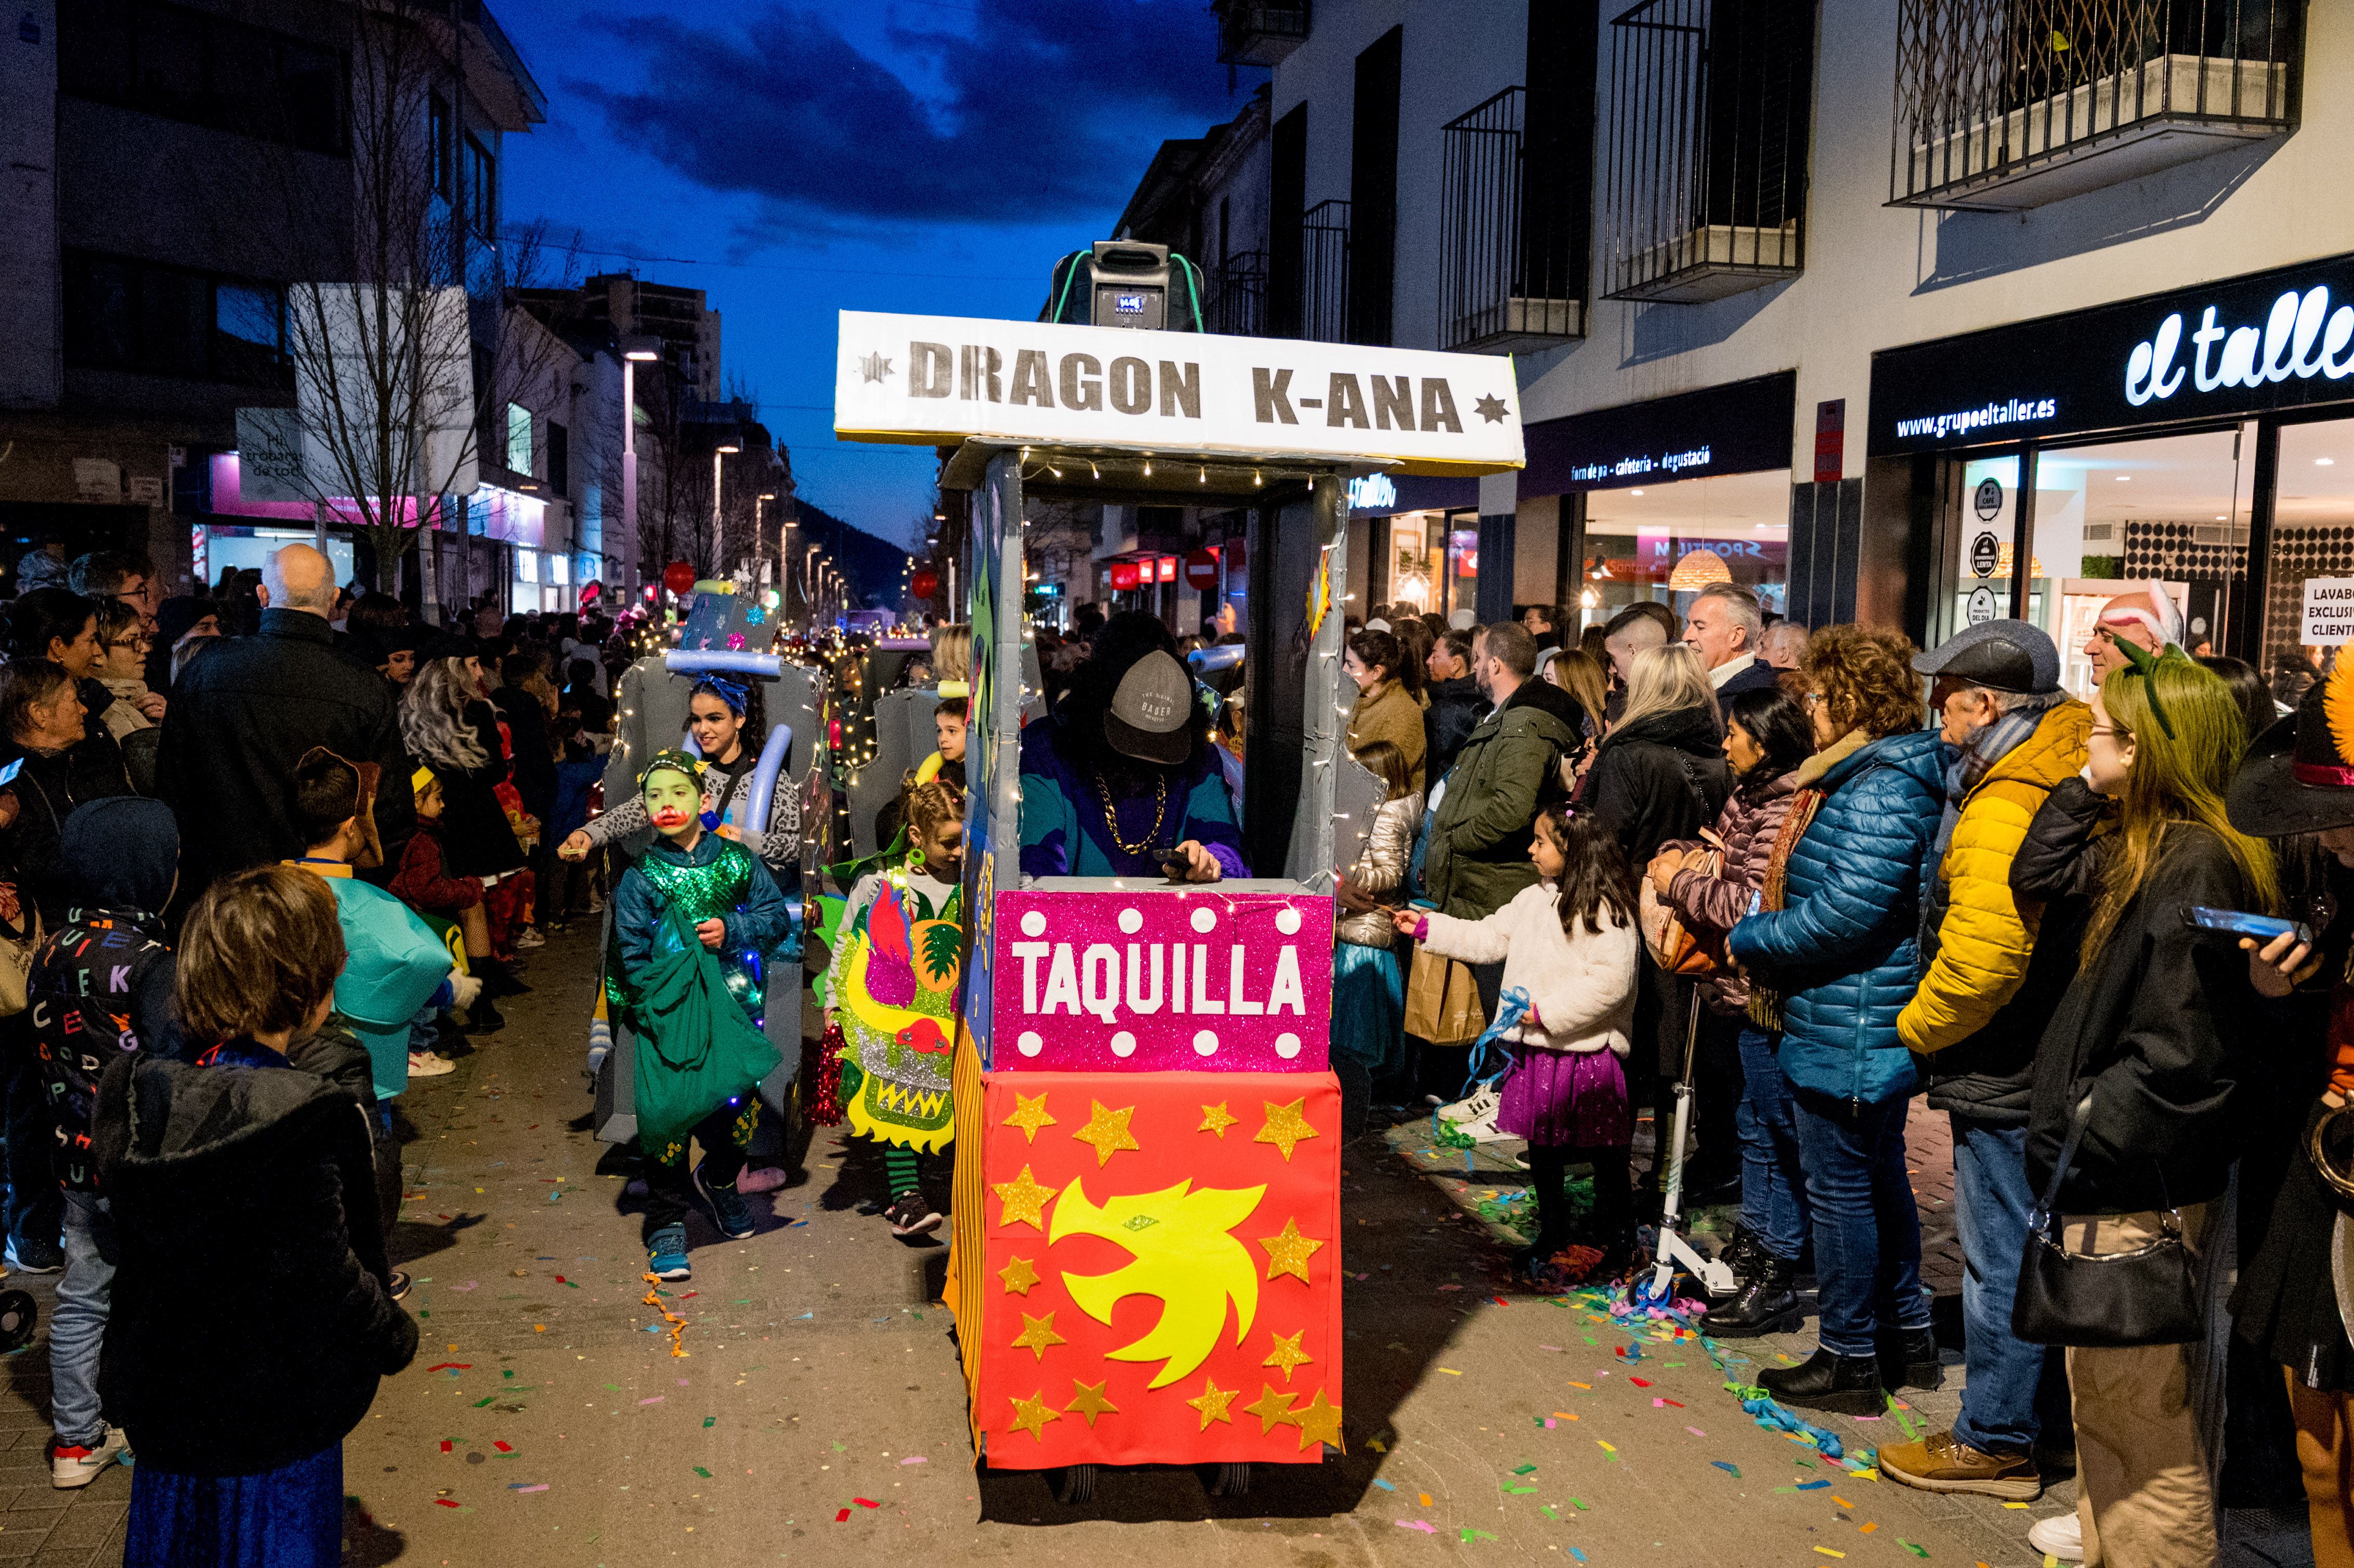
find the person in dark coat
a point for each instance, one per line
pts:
(243, 715)
(526, 721)
(1455, 705)
(42, 735)
(252, 1316)
(1660, 775)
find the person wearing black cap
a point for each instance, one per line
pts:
(1123, 779)
(2296, 1293)
(1993, 977)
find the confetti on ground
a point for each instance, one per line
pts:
(520, 1487)
(1423, 1525)
(1470, 1534)
(915, 1459)
(1423, 1498)
(1812, 1486)
(1696, 1431)
(446, 1502)
(1828, 1552)
(655, 1400)
(840, 1515)
(867, 1502)
(1728, 1467)
(1385, 1486)
(1917, 1551)
(701, 1471)
(1451, 1371)
(502, 1447)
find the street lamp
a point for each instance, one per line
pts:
(757, 501)
(635, 351)
(718, 523)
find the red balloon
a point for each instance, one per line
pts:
(925, 583)
(678, 577)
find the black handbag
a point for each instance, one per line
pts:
(2147, 1297)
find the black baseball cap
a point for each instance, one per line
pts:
(2000, 655)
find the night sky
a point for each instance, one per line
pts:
(793, 161)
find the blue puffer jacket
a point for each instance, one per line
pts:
(1844, 948)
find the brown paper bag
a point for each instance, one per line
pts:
(1442, 1001)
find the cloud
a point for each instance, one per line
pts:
(1034, 110)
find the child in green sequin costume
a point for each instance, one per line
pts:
(694, 921)
(893, 988)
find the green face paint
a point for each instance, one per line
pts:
(674, 801)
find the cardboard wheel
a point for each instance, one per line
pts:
(1227, 1478)
(1076, 1484)
(18, 1315)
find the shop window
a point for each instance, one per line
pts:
(123, 314)
(518, 442)
(2006, 104)
(191, 65)
(2108, 520)
(1710, 105)
(2313, 537)
(1665, 543)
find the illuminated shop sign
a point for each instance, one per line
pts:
(2279, 339)
(1743, 427)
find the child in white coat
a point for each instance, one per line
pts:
(1571, 943)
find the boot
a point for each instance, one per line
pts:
(1844, 1385)
(1745, 1255)
(1908, 1359)
(498, 980)
(1766, 1304)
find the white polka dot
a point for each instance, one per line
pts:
(1030, 1045)
(1034, 924)
(1131, 921)
(1123, 1044)
(1205, 1044)
(1205, 919)
(1287, 1045)
(1286, 920)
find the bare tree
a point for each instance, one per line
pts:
(403, 345)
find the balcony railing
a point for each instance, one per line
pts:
(1504, 278)
(2006, 104)
(1709, 113)
(1259, 35)
(1238, 295)
(1324, 272)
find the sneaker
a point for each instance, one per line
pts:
(78, 1464)
(399, 1286)
(1475, 1117)
(1942, 1462)
(910, 1216)
(2061, 1536)
(666, 1254)
(529, 937)
(27, 1255)
(729, 1212)
(429, 1064)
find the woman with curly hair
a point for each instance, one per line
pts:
(449, 726)
(1834, 955)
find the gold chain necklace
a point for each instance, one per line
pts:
(1111, 820)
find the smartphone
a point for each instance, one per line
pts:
(8, 774)
(2263, 928)
(1175, 865)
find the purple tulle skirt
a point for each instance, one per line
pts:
(1574, 1098)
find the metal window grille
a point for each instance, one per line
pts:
(1238, 295)
(1324, 272)
(1504, 280)
(2006, 104)
(1259, 35)
(1709, 113)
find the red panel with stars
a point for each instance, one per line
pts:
(1161, 1270)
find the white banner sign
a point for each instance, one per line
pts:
(937, 380)
(2328, 611)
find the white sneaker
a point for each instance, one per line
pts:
(429, 1064)
(529, 937)
(2061, 1536)
(76, 1466)
(1475, 1117)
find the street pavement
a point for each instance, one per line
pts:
(819, 1412)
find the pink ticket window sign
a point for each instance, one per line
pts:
(1161, 981)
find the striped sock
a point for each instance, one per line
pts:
(901, 1163)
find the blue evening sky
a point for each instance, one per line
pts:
(794, 160)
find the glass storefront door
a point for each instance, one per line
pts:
(2313, 537)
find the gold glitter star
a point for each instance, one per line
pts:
(1285, 1127)
(1108, 1130)
(1032, 1415)
(1273, 1410)
(1087, 1400)
(1019, 1276)
(1024, 1201)
(1320, 1422)
(1213, 1401)
(1288, 1253)
(1215, 1119)
(1286, 1354)
(1038, 1334)
(1029, 1115)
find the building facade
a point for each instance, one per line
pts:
(1911, 313)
